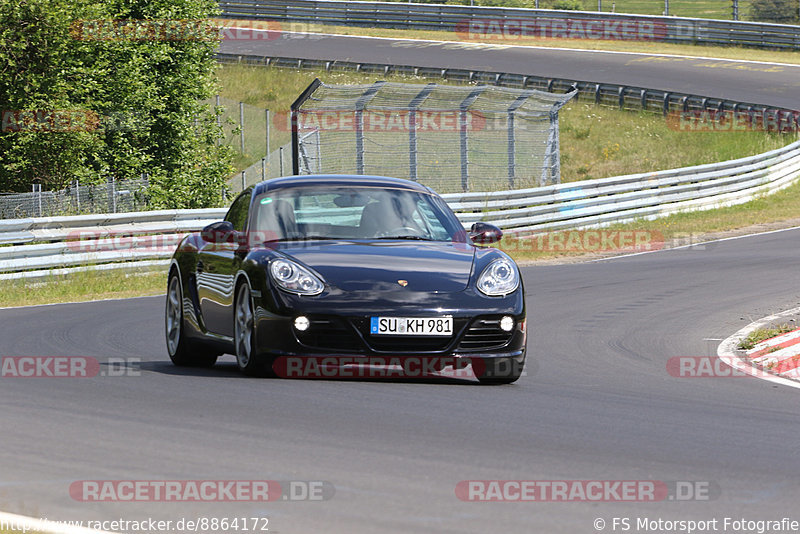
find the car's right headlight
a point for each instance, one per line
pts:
(293, 277)
(499, 278)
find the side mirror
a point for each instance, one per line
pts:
(482, 233)
(218, 232)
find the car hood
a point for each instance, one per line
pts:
(426, 266)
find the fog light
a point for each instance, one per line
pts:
(302, 323)
(507, 323)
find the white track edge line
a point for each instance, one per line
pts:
(81, 302)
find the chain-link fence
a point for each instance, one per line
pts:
(247, 129)
(274, 165)
(452, 138)
(115, 196)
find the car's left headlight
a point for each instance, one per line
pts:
(499, 278)
(295, 278)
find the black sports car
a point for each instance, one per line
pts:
(329, 272)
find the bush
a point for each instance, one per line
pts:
(781, 11)
(139, 99)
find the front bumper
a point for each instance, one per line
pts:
(349, 336)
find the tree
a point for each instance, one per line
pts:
(93, 89)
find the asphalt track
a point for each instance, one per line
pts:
(770, 84)
(597, 404)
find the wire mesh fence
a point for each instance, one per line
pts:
(245, 128)
(115, 196)
(451, 138)
(274, 165)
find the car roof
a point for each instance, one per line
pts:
(316, 180)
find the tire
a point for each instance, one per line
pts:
(498, 371)
(180, 350)
(244, 336)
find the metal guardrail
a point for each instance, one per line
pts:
(459, 18)
(44, 246)
(622, 96)
(638, 196)
(146, 240)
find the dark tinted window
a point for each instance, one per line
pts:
(237, 214)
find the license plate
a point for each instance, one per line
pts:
(411, 326)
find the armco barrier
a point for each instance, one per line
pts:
(458, 18)
(62, 245)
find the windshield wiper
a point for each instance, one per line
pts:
(416, 237)
(303, 238)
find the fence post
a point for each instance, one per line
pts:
(241, 126)
(37, 190)
(463, 126)
(361, 104)
(280, 154)
(263, 169)
(114, 193)
(219, 121)
(735, 7)
(512, 139)
(267, 114)
(412, 128)
(78, 195)
(319, 153)
(244, 180)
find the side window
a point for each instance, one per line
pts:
(237, 214)
(427, 217)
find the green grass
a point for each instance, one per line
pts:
(757, 336)
(81, 286)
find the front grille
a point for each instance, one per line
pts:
(330, 334)
(484, 334)
(408, 343)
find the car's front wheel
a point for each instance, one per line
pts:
(247, 358)
(178, 347)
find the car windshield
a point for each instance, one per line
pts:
(353, 212)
